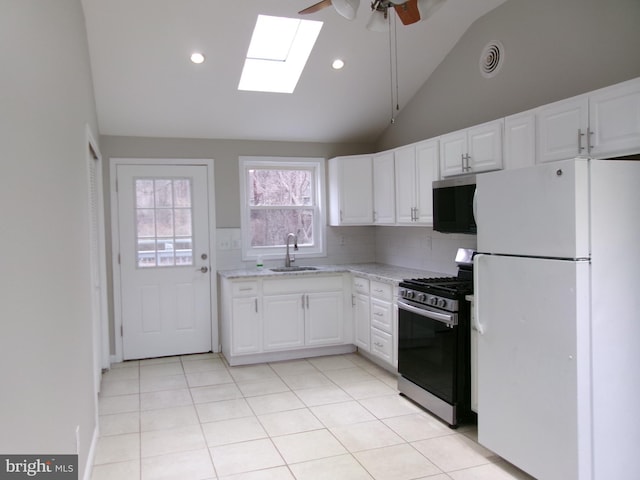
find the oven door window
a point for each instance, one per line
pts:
(427, 354)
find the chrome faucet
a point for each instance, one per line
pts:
(290, 258)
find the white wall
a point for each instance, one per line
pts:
(46, 100)
(554, 49)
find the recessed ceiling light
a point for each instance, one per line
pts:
(337, 64)
(277, 54)
(197, 57)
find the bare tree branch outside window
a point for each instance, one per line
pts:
(281, 201)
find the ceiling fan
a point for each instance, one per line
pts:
(408, 11)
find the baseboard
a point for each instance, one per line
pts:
(88, 467)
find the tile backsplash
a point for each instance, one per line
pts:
(421, 248)
(344, 245)
(411, 247)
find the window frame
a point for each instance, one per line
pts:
(317, 165)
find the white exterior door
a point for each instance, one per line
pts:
(165, 266)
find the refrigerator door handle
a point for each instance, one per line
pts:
(475, 320)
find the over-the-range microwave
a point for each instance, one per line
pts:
(453, 205)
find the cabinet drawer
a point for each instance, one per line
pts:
(244, 289)
(383, 291)
(306, 284)
(361, 285)
(382, 345)
(381, 315)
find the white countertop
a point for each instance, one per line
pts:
(375, 271)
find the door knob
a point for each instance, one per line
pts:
(203, 269)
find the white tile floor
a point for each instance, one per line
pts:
(337, 417)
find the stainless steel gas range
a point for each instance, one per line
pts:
(434, 342)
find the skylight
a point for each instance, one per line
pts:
(277, 54)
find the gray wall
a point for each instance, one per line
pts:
(554, 49)
(46, 101)
(225, 153)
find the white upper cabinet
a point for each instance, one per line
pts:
(562, 129)
(351, 190)
(472, 150)
(601, 124)
(520, 140)
(384, 192)
(416, 168)
(614, 120)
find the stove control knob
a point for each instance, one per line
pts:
(409, 294)
(422, 297)
(433, 301)
(442, 303)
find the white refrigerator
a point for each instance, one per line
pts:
(557, 298)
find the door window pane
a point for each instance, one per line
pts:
(164, 229)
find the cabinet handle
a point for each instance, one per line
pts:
(375, 215)
(256, 304)
(580, 135)
(302, 299)
(378, 314)
(589, 146)
(353, 300)
(246, 289)
(377, 344)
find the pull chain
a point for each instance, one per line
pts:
(393, 67)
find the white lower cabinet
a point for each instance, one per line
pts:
(285, 317)
(375, 318)
(323, 318)
(362, 313)
(245, 331)
(283, 321)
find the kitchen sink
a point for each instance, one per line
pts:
(292, 269)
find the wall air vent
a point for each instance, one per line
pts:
(491, 59)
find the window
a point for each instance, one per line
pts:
(281, 196)
(163, 222)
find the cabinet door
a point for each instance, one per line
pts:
(520, 140)
(323, 318)
(614, 120)
(453, 147)
(351, 190)
(562, 129)
(363, 321)
(485, 147)
(384, 200)
(283, 320)
(405, 159)
(426, 172)
(245, 326)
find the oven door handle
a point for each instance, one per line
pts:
(445, 318)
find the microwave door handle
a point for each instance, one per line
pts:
(475, 205)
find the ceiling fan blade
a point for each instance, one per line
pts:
(316, 7)
(408, 12)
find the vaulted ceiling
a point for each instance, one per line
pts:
(145, 84)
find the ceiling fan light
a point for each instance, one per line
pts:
(378, 22)
(428, 7)
(347, 8)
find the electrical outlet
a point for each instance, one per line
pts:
(224, 244)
